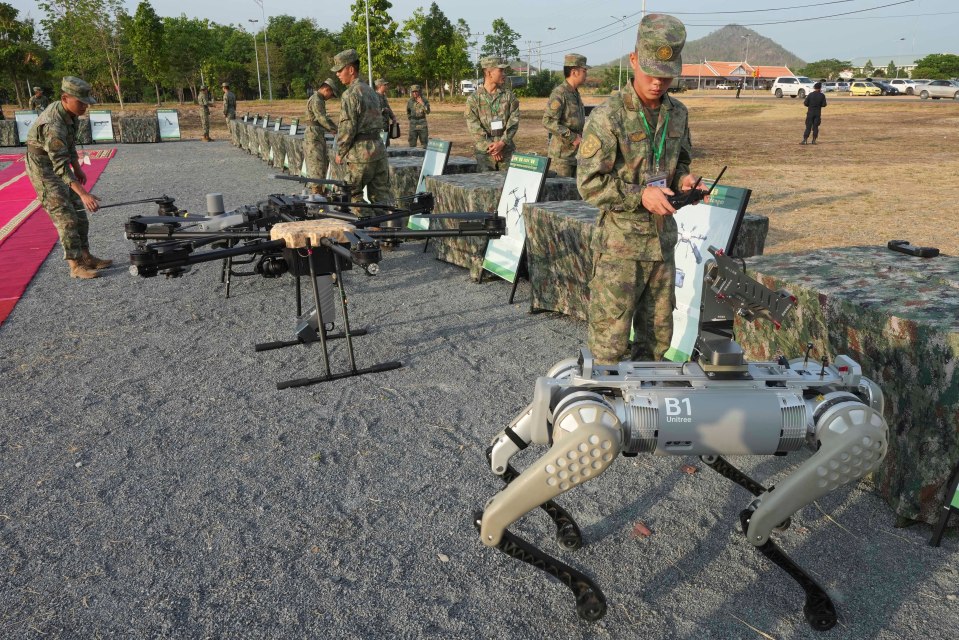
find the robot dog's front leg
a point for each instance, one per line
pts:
(587, 437)
(852, 440)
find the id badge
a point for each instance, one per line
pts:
(496, 127)
(656, 179)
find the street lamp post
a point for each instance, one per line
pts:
(900, 58)
(369, 52)
(259, 85)
(266, 49)
(622, 45)
(746, 56)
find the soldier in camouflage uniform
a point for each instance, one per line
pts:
(492, 117)
(314, 137)
(38, 101)
(636, 150)
(53, 167)
(389, 118)
(203, 99)
(359, 145)
(416, 109)
(229, 102)
(565, 117)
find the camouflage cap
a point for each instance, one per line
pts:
(381, 82)
(79, 89)
(35, 89)
(332, 84)
(415, 87)
(224, 84)
(343, 58)
(659, 43)
(575, 60)
(493, 62)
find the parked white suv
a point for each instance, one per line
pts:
(904, 85)
(792, 86)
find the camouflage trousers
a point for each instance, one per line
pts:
(486, 163)
(419, 133)
(375, 176)
(64, 207)
(563, 168)
(315, 153)
(628, 294)
(205, 122)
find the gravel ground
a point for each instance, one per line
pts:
(156, 484)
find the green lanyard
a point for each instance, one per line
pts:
(657, 152)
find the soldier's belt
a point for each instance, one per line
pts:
(366, 136)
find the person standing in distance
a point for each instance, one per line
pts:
(229, 102)
(492, 117)
(359, 145)
(565, 117)
(814, 102)
(417, 107)
(636, 151)
(314, 137)
(38, 101)
(53, 167)
(203, 99)
(389, 118)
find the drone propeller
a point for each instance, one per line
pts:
(468, 215)
(161, 200)
(335, 183)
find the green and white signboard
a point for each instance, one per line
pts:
(293, 125)
(524, 181)
(169, 121)
(24, 120)
(712, 222)
(101, 126)
(434, 164)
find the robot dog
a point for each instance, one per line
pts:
(716, 405)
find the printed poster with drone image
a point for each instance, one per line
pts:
(713, 222)
(24, 120)
(524, 181)
(101, 126)
(169, 121)
(434, 164)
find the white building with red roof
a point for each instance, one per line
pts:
(711, 73)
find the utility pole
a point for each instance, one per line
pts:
(623, 44)
(256, 54)
(266, 49)
(529, 58)
(369, 52)
(539, 52)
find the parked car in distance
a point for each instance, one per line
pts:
(938, 89)
(887, 89)
(723, 85)
(905, 85)
(793, 86)
(863, 88)
(829, 87)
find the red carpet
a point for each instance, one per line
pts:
(26, 233)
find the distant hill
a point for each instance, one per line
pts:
(728, 45)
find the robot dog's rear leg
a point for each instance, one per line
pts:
(568, 535)
(723, 467)
(590, 601)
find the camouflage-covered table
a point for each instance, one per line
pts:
(898, 316)
(84, 133)
(558, 241)
(8, 133)
(478, 192)
(136, 129)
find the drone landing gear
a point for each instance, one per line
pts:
(819, 609)
(590, 601)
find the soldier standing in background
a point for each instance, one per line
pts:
(203, 99)
(492, 117)
(565, 117)
(416, 109)
(359, 145)
(53, 167)
(389, 117)
(314, 137)
(814, 103)
(636, 151)
(38, 101)
(229, 102)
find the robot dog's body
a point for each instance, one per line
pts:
(718, 405)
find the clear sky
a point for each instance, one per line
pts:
(910, 27)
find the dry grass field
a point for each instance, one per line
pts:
(883, 169)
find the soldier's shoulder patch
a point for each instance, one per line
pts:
(56, 145)
(555, 104)
(590, 146)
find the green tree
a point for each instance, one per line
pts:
(501, 42)
(90, 39)
(938, 66)
(146, 37)
(868, 68)
(434, 49)
(231, 59)
(540, 84)
(892, 71)
(189, 44)
(829, 68)
(609, 81)
(387, 40)
(19, 53)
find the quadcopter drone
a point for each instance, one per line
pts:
(718, 404)
(312, 236)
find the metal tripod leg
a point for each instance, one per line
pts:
(319, 309)
(299, 296)
(229, 272)
(346, 315)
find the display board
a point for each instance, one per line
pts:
(169, 121)
(293, 126)
(278, 125)
(434, 164)
(24, 120)
(713, 222)
(524, 182)
(101, 125)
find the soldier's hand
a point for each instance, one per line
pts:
(90, 202)
(338, 159)
(690, 180)
(654, 200)
(79, 173)
(577, 141)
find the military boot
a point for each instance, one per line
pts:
(79, 269)
(94, 262)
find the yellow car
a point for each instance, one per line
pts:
(864, 89)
